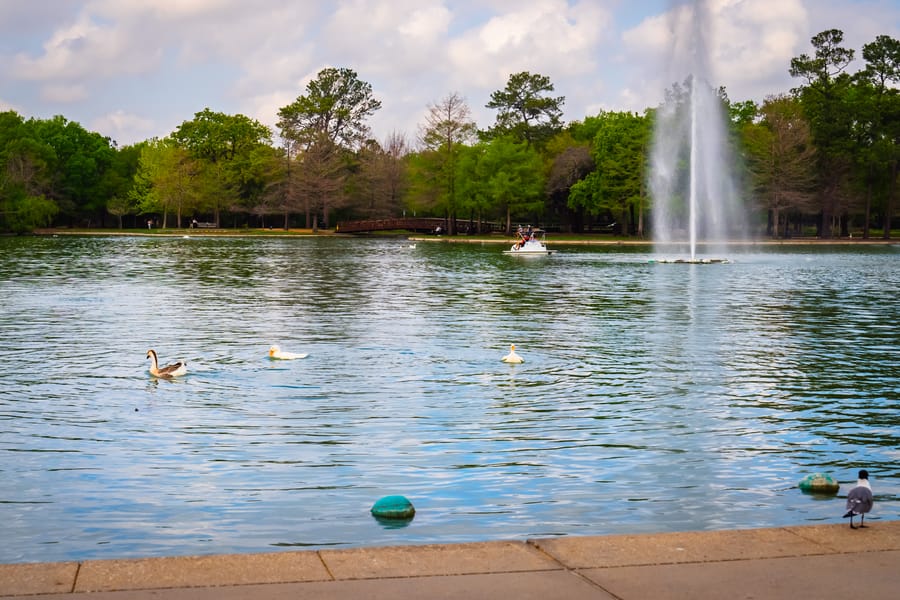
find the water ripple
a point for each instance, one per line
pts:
(653, 398)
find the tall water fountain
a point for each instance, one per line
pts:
(694, 196)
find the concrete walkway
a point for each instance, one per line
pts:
(819, 561)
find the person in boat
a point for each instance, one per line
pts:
(520, 237)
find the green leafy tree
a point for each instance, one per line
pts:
(616, 187)
(825, 100)
(30, 212)
(118, 181)
(81, 159)
(224, 146)
(119, 206)
(524, 110)
(166, 181)
(471, 186)
(335, 107)
(321, 126)
(877, 125)
(24, 174)
(513, 178)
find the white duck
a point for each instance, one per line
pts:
(278, 354)
(174, 370)
(512, 357)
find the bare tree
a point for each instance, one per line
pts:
(447, 126)
(382, 176)
(782, 160)
(321, 180)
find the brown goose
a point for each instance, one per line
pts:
(173, 370)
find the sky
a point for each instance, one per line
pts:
(136, 69)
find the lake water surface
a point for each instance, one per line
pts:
(654, 397)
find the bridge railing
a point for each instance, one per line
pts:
(417, 224)
(408, 224)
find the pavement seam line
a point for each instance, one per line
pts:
(534, 544)
(828, 549)
(75, 579)
(325, 564)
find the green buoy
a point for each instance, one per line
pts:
(819, 483)
(393, 507)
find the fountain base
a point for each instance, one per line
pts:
(693, 261)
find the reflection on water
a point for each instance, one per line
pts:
(654, 397)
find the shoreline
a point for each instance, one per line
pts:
(804, 561)
(461, 239)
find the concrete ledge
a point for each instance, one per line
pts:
(880, 535)
(871, 576)
(37, 578)
(809, 561)
(430, 560)
(200, 571)
(675, 548)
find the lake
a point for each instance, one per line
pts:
(654, 397)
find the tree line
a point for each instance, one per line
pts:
(822, 156)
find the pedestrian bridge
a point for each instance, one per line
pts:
(418, 224)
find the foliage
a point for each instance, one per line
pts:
(448, 127)
(616, 186)
(780, 155)
(524, 112)
(824, 98)
(335, 107)
(511, 174)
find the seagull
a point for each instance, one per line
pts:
(277, 353)
(174, 370)
(512, 357)
(859, 500)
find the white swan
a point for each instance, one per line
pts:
(276, 353)
(174, 370)
(512, 357)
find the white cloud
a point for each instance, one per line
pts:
(548, 37)
(6, 106)
(63, 93)
(98, 61)
(86, 50)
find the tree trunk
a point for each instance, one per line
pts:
(868, 205)
(889, 203)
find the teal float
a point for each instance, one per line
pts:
(393, 507)
(819, 483)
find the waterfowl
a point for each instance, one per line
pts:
(174, 370)
(512, 357)
(859, 500)
(277, 353)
